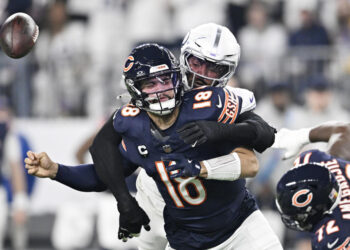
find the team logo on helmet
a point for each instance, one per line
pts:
(297, 197)
(129, 63)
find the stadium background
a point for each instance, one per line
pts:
(295, 57)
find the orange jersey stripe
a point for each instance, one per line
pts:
(225, 107)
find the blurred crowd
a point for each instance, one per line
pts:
(295, 57)
(75, 68)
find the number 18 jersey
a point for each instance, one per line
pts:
(199, 213)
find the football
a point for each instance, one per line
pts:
(18, 35)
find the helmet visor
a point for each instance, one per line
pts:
(205, 68)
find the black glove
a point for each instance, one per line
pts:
(131, 219)
(251, 133)
(199, 132)
(182, 167)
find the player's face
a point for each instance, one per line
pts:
(206, 69)
(160, 87)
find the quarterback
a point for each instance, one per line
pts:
(199, 211)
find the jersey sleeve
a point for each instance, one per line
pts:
(213, 104)
(248, 98)
(123, 116)
(230, 108)
(82, 178)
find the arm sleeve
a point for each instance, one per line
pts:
(81, 177)
(108, 163)
(253, 124)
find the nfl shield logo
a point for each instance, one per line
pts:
(167, 149)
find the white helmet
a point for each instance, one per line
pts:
(214, 45)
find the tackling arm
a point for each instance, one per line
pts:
(108, 165)
(250, 130)
(337, 134)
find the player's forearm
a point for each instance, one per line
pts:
(324, 132)
(242, 163)
(337, 134)
(249, 162)
(253, 124)
(81, 178)
(108, 161)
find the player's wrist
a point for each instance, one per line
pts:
(54, 170)
(304, 135)
(203, 173)
(127, 204)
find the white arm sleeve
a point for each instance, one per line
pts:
(225, 168)
(248, 98)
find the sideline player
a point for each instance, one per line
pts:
(199, 213)
(314, 195)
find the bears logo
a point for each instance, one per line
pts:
(129, 63)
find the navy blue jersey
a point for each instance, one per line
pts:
(333, 231)
(199, 213)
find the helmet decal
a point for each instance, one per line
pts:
(158, 68)
(300, 193)
(130, 64)
(305, 194)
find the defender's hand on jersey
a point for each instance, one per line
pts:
(291, 140)
(181, 167)
(131, 219)
(199, 132)
(40, 165)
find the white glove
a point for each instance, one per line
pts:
(291, 140)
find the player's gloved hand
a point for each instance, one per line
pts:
(291, 140)
(199, 132)
(182, 167)
(131, 219)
